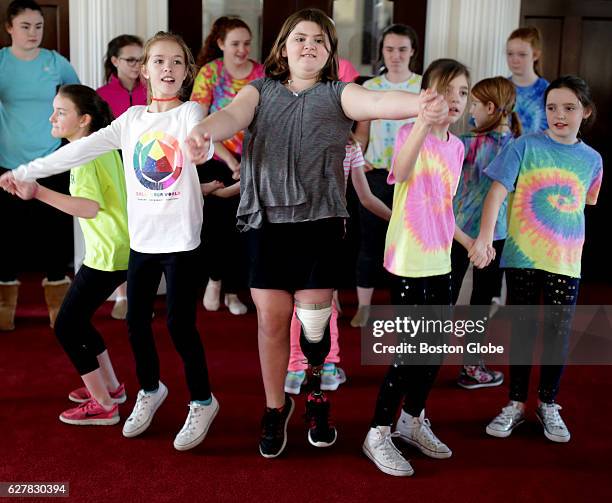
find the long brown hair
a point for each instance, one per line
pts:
(161, 36)
(403, 30)
(220, 28)
(502, 93)
(531, 35)
(277, 66)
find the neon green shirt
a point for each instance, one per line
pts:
(107, 243)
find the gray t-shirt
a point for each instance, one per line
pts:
(293, 151)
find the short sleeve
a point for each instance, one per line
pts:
(593, 192)
(87, 184)
(204, 84)
(400, 139)
(67, 72)
(505, 167)
(357, 160)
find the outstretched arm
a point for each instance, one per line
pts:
(75, 206)
(362, 104)
(222, 124)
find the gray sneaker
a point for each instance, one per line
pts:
(509, 418)
(554, 427)
(332, 377)
(144, 409)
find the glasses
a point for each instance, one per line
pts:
(131, 61)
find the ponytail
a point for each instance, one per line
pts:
(502, 93)
(515, 125)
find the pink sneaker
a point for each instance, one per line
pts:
(82, 395)
(90, 413)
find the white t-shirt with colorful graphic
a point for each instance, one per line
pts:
(164, 199)
(422, 225)
(551, 183)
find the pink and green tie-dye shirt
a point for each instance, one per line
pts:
(551, 182)
(422, 225)
(216, 88)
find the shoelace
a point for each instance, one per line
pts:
(192, 418)
(507, 413)
(318, 413)
(141, 403)
(388, 449)
(427, 435)
(552, 416)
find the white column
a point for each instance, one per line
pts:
(93, 23)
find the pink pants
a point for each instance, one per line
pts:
(297, 360)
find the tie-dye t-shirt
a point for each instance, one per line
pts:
(480, 150)
(422, 225)
(530, 106)
(216, 88)
(383, 132)
(551, 182)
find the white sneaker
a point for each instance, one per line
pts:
(417, 432)
(379, 447)
(144, 409)
(554, 427)
(504, 423)
(196, 425)
(212, 295)
(234, 304)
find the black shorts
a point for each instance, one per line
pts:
(295, 256)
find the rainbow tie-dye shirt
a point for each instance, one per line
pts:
(530, 106)
(474, 185)
(551, 182)
(422, 225)
(216, 88)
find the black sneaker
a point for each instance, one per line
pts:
(274, 429)
(321, 433)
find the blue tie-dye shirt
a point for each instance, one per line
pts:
(530, 106)
(551, 182)
(480, 150)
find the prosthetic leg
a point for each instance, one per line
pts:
(315, 342)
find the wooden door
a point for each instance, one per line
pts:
(56, 34)
(577, 39)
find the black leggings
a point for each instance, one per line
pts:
(412, 383)
(529, 287)
(73, 328)
(39, 234)
(182, 272)
(373, 231)
(486, 284)
(223, 245)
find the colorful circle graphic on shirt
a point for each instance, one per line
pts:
(549, 207)
(158, 160)
(430, 197)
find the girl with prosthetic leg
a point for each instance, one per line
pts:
(292, 191)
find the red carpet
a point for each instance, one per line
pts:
(100, 464)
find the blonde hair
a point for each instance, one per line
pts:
(164, 36)
(277, 66)
(532, 36)
(502, 93)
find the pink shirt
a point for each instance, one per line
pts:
(119, 98)
(346, 71)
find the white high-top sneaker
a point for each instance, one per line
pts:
(417, 432)
(379, 447)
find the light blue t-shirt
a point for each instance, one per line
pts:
(530, 106)
(27, 89)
